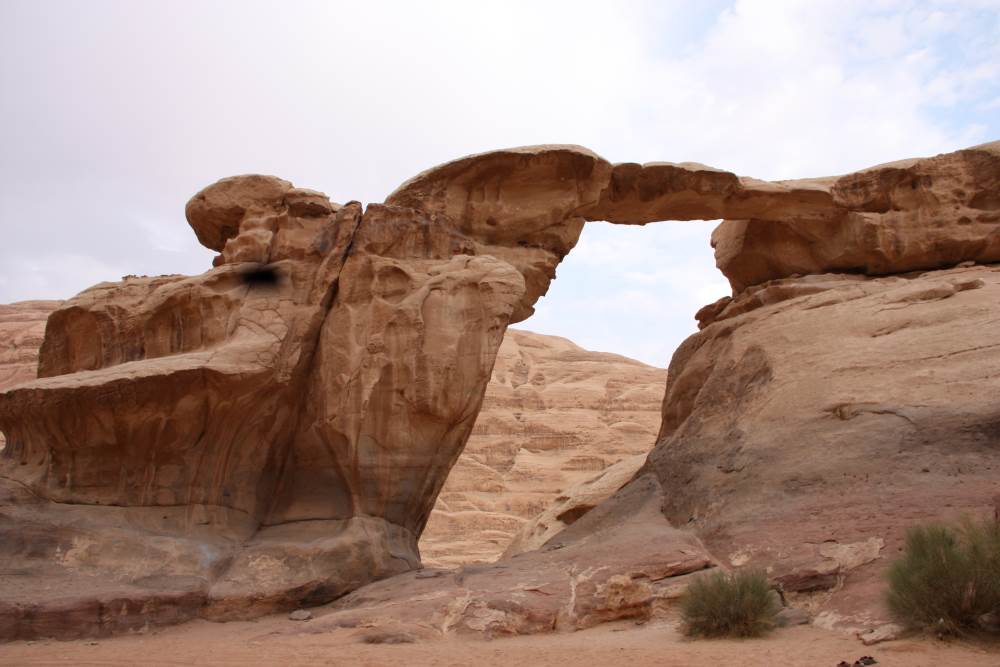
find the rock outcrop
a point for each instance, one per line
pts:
(22, 327)
(813, 419)
(573, 503)
(554, 416)
(250, 447)
(904, 216)
(274, 432)
(602, 569)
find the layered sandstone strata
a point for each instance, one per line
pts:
(22, 327)
(554, 416)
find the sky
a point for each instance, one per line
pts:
(113, 113)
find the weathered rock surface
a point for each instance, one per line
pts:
(904, 216)
(554, 415)
(224, 447)
(914, 214)
(520, 204)
(556, 418)
(812, 420)
(22, 327)
(572, 504)
(602, 569)
(248, 447)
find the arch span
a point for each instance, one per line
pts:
(285, 443)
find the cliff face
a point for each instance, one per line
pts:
(554, 415)
(22, 327)
(805, 428)
(812, 420)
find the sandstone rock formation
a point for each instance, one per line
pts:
(219, 446)
(554, 416)
(573, 503)
(602, 569)
(812, 420)
(898, 217)
(914, 214)
(22, 326)
(250, 447)
(803, 433)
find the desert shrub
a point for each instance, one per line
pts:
(730, 604)
(947, 577)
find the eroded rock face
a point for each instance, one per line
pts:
(813, 420)
(573, 503)
(602, 569)
(520, 204)
(280, 444)
(904, 216)
(225, 446)
(554, 416)
(22, 327)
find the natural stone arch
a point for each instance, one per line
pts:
(289, 446)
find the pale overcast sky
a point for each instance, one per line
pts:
(112, 114)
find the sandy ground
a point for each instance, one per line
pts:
(278, 641)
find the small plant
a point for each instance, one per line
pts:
(730, 604)
(947, 578)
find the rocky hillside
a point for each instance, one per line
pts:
(554, 415)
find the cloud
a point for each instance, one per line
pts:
(33, 278)
(124, 110)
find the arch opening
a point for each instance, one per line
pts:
(573, 404)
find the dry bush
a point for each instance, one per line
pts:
(730, 604)
(948, 578)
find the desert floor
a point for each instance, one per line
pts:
(278, 641)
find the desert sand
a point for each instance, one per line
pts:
(275, 640)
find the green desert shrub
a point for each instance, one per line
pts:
(730, 604)
(948, 578)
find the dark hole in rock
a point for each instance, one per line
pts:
(572, 514)
(261, 275)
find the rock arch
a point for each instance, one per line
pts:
(247, 448)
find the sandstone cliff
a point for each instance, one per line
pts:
(22, 327)
(554, 415)
(813, 419)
